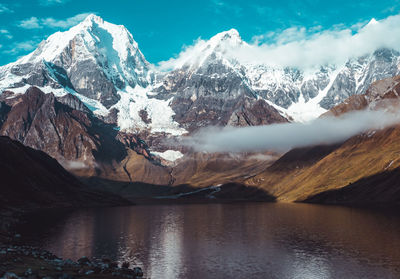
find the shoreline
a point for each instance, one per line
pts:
(19, 261)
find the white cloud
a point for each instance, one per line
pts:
(308, 48)
(282, 137)
(39, 23)
(188, 53)
(5, 9)
(69, 22)
(30, 23)
(52, 2)
(5, 33)
(18, 47)
(74, 165)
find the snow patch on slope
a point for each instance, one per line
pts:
(159, 113)
(95, 106)
(169, 155)
(303, 111)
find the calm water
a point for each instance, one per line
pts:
(230, 241)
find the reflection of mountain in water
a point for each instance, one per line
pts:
(254, 240)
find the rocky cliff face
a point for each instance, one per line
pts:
(66, 129)
(382, 94)
(358, 74)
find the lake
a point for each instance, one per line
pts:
(244, 240)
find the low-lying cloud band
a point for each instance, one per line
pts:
(282, 137)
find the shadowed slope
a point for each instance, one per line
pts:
(32, 179)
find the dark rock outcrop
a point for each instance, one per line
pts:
(62, 127)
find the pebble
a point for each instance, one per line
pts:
(125, 265)
(138, 272)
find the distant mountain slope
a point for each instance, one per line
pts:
(32, 179)
(361, 169)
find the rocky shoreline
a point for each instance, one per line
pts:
(19, 261)
(27, 262)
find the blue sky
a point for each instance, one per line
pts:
(162, 28)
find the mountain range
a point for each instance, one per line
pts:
(89, 98)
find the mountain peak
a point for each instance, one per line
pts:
(93, 18)
(372, 22)
(91, 35)
(95, 58)
(230, 37)
(231, 33)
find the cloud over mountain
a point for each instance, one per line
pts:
(305, 49)
(39, 23)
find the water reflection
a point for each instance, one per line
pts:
(232, 241)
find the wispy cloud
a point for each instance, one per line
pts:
(30, 23)
(308, 48)
(18, 47)
(52, 2)
(282, 137)
(74, 165)
(49, 22)
(66, 23)
(5, 9)
(5, 33)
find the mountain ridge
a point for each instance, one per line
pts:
(127, 85)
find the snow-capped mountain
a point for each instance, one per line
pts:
(209, 88)
(94, 58)
(299, 94)
(101, 64)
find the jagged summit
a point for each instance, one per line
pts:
(231, 36)
(87, 39)
(225, 43)
(93, 18)
(217, 48)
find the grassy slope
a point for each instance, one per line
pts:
(359, 157)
